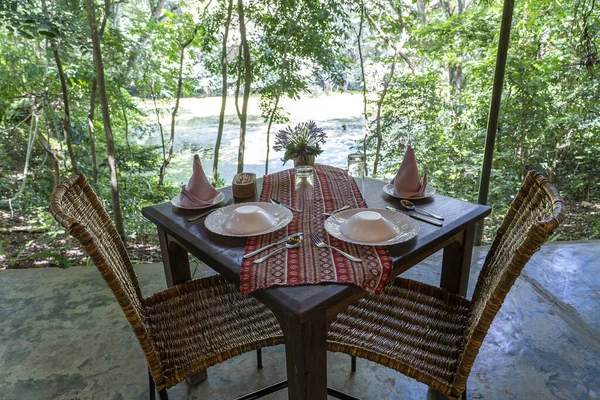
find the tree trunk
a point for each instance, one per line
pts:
(48, 149)
(279, 84)
(55, 162)
(33, 130)
(160, 127)
(386, 85)
(167, 159)
(421, 11)
(223, 93)
(124, 112)
(116, 16)
(92, 110)
(247, 82)
(110, 147)
(271, 116)
(522, 146)
(66, 122)
(555, 156)
(155, 15)
(237, 83)
(455, 77)
(364, 88)
(91, 132)
(455, 72)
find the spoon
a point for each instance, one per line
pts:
(286, 206)
(410, 206)
(290, 244)
(338, 210)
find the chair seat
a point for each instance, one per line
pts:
(411, 327)
(200, 323)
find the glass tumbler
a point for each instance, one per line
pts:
(356, 169)
(304, 182)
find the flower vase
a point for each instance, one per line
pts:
(305, 160)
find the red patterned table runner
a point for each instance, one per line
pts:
(308, 264)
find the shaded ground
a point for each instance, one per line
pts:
(23, 246)
(63, 336)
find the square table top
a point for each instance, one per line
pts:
(224, 254)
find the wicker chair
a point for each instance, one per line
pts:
(182, 330)
(433, 335)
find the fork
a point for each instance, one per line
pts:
(327, 214)
(320, 243)
(285, 205)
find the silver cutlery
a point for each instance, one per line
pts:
(285, 239)
(204, 214)
(416, 216)
(285, 205)
(320, 243)
(410, 206)
(291, 243)
(327, 214)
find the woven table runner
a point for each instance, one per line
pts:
(308, 264)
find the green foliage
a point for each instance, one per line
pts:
(596, 230)
(550, 107)
(12, 260)
(549, 117)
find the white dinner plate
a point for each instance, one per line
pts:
(177, 202)
(215, 220)
(389, 190)
(406, 227)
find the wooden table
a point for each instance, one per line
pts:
(305, 312)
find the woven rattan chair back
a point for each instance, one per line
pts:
(75, 205)
(532, 217)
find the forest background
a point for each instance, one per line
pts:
(84, 83)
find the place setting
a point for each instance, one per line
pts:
(372, 227)
(350, 224)
(199, 194)
(286, 215)
(228, 219)
(407, 185)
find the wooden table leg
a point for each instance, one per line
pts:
(175, 260)
(177, 270)
(306, 358)
(456, 263)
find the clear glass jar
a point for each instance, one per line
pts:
(304, 182)
(356, 169)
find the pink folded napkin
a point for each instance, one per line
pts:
(199, 192)
(407, 182)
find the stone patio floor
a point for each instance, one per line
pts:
(63, 336)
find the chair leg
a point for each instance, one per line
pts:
(163, 394)
(353, 364)
(151, 386)
(259, 364)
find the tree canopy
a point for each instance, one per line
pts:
(424, 68)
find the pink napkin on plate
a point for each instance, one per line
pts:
(407, 182)
(199, 192)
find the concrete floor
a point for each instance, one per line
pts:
(62, 336)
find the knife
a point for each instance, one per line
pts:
(415, 216)
(285, 239)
